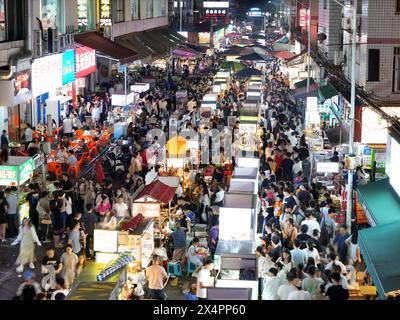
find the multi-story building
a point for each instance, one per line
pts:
(378, 48)
(330, 25)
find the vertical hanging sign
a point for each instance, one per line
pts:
(82, 13)
(105, 13)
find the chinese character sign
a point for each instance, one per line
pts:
(85, 61)
(82, 13)
(303, 17)
(68, 67)
(105, 13)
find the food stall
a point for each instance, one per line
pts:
(234, 256)
(246, 175)
(14, 173)
(149, 200)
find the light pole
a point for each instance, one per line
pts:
(351, 168)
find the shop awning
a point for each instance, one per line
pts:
(338, 135)
(381, 252)
(327, 92)
(199, 49)
(284, 55)
(297, 59)
(303, 83)
(152, 44)
(157, 191)
(106, 46)
(380, 202)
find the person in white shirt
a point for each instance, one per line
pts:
(67, 126)
(334, 260)
(299, 294)
(312, 223)
(121, 207)
(28, 134)
(285, 289)
(60, 283)
(271, 285)
(297, 166)
(219, 196)
(312, 252)
(204, 280)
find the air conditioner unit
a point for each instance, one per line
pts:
(38, 44)
(346, 23)
(338, 58)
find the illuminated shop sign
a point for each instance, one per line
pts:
(210, 13)
(85, 61)
(68, 67)
(303, 17)
(105, 13)
(82, 13)
(216, 4)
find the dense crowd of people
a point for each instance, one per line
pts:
(304, 254)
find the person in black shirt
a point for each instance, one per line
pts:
(314, 192)
(277, 248)
(55, 209)
(66, 184)
(33, 198)
(335, 157)
(89, 220)
(303, 236)
(337, 292)
(51, 260)
(287, 167)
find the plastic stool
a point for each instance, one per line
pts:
(175, 268)
(191, 268)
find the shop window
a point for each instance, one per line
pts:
(86, 15)
(396, 70)
(135, 4)
(2, 21)
(373, 64)
(119, 11)
(52, 15)
(18, 117)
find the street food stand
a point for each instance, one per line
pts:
(246, 175)
(234, 254)
(149, 200)
(14, 173)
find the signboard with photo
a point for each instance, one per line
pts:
(22, 82)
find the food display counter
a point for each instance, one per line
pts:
(139, 243)
(246, 175)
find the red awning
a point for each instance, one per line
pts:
(284, 55)
(158, 191)
(106, 46)
(297, 55)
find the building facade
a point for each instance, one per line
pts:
(378, 48)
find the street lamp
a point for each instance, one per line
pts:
(352, 112)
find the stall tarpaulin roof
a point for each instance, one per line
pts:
(256, 56)
(158, 191)
(284, 55)
(96, 41)
(338, 135)
(200, 49)
(184, 53)
(248, 72)
(328, 91)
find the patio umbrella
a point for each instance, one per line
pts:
(235, 66)
(176, 147)
(99, 173)
(248, 72)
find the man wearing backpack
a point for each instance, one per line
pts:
(29, 288)
(328, 226)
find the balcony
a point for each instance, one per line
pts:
(59, 43)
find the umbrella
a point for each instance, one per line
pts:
(177, 146)
(235, 66)
(255, 57)
(99, 172)
(248, 72)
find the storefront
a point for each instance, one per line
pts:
(16, 100)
